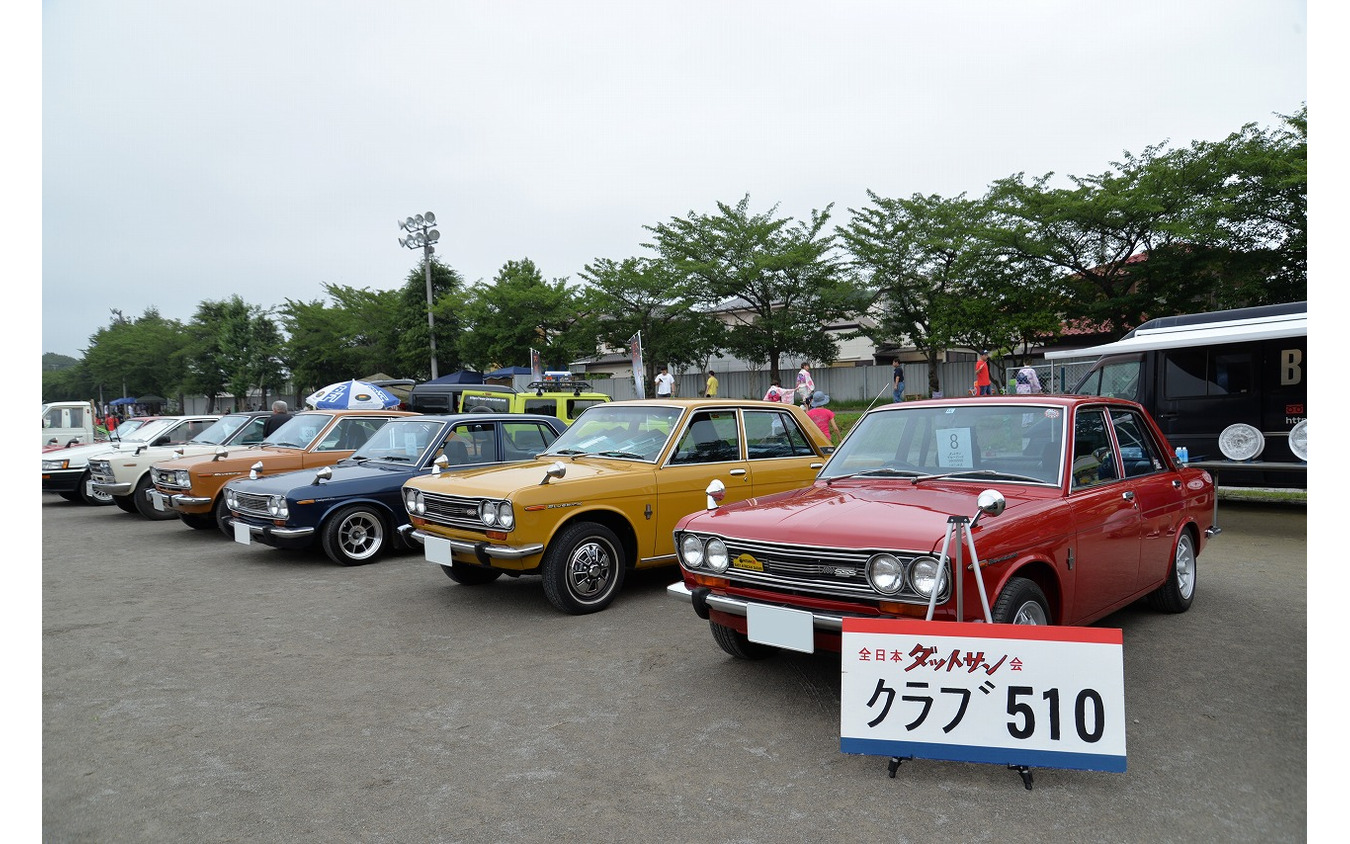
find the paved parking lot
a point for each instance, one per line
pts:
(198, 690)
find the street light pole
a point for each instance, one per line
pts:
(421, 234)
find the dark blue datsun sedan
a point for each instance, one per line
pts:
(355, 507)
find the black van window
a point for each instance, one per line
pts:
(1201, 372)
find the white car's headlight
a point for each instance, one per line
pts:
(886, 573)
(53, 465)
(691, 550)
(923, 574)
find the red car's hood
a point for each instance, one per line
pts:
(863, 517)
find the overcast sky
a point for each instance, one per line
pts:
(191, 151)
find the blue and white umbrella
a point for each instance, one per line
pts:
(352, 395)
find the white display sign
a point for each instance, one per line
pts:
(954, 450)
(1022, 695)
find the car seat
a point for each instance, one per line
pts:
(456, 452)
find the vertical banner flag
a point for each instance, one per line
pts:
(635, 352)
(536, 367)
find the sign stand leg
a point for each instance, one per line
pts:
(959, 529)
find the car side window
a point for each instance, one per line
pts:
(187, 431)
(773, 433)
(1093, 461)
(470, 443)
(521, 440)
(712, 436)
(348, 435)
(254, 433)
(1140, 454)
(546, 407)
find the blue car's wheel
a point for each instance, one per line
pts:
(355, 535)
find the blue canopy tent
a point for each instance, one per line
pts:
(464, 376)
(123, 400)
(507, 372)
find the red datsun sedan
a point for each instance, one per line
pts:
(1053, 509)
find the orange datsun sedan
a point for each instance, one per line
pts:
(191, 486)
(604, 497)
(1052, 509)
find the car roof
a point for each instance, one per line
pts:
(487, 417)
(756, 404)
(1056, 400)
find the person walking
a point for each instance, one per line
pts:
(280, 416)
(898, 381)
(822, 415)
(710, 389)
(805, 384)
(665, 383)
(983, 386)
(776, 391)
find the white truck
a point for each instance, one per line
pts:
(66, 423)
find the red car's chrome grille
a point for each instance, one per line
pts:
(836, 572)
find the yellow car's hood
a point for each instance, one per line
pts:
(611, 475)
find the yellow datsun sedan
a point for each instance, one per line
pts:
(605, 496)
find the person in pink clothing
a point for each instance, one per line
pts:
(822, 415)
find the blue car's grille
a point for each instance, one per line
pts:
(251, 504)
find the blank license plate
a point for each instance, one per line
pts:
(780, 627)
(437, 550)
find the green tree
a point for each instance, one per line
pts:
(1256, 218)
(775, 280)
(1116, 238)
(412, 347)
(520, 311)
(922, 259)
(640, 295)
(140, 355)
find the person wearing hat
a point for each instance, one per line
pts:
(983, 386)
(822, 415)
